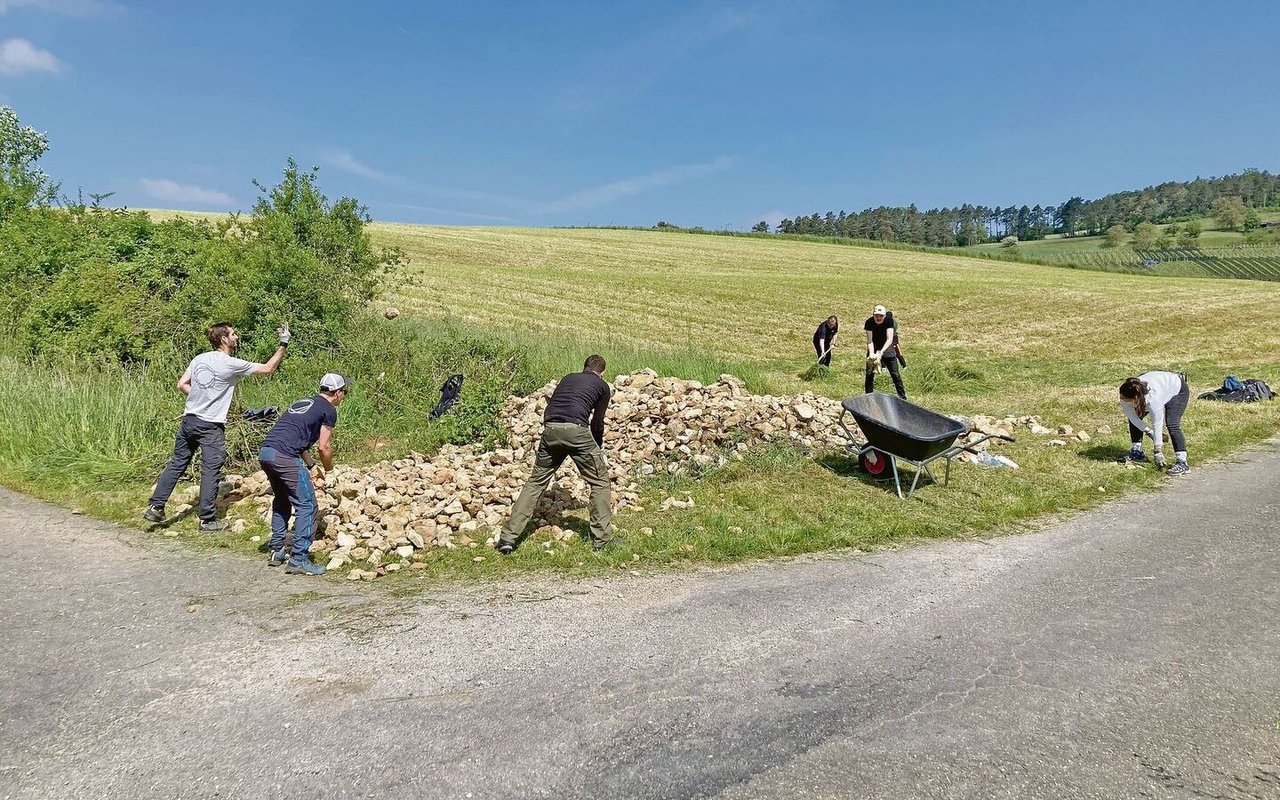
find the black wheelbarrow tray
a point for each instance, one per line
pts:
(896, 430)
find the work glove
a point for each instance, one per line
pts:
(1160, 461)
(283, 333)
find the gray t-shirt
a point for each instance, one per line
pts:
(214, 376)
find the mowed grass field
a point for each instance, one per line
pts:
(981, 337)
(1031, 331)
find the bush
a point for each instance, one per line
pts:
(1229, 212)
(1115, 236)
(103, 283)
(22, 184)
(1144, 236)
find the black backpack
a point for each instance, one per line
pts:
(1255, 390)
(449, 392)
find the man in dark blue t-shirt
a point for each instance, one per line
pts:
(286, 458)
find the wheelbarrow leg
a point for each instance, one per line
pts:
(928, 470)
(896, 481)
(920, 470)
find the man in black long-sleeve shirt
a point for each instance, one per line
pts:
(573, 427)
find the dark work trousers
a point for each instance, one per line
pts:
(211, 439)
(890, 363)
(562, 440)
(1173, 411)
(294, 495)
(818, 347)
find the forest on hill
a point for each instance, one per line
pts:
(964, 225)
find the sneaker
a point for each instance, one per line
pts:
(1179, 468)
(506, 548)
(154, 514)
(277, 558)
(214, 526)
(596, 547)
(1132, 457)
(295, 567)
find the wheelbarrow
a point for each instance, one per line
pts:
(896, 430)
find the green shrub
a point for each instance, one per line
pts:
(93, 282)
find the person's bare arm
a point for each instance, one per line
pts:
(889, 337)
(871, 348)
(272, 364)
(325, 446)
(184, 383)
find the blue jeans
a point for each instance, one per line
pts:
(294, 496)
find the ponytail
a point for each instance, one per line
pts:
(1136, 390)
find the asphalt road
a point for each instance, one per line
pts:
(1130, 652)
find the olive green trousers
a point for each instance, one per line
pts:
(562, 440)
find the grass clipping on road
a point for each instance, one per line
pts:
(981, 337)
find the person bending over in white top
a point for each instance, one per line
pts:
(1164, 395)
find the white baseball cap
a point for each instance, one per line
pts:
(878, 310)
(332, 382)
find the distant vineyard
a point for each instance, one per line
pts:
(1252, 262)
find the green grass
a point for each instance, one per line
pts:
(981, 336)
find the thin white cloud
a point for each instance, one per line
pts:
(582, 200)
(70, 8)
(343, 160)
(174, 192)
(637, 64)
(18, 56)
(608, 193)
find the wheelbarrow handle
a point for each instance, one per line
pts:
(854, 442)
(969, 448)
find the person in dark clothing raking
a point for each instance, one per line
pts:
(882, 349)
(573, 427)
(824, 337)
(286, 458)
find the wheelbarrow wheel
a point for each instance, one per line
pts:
(874, 463)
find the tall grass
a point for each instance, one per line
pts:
(81, 424)
(85, 423)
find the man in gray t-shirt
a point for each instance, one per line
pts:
(208, 383)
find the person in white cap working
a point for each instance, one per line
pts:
(286, 458)
(882, 349)
(1164, 395)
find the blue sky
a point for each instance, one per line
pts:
(699, 113)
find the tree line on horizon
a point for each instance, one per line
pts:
(1173, 201)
